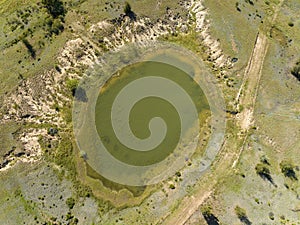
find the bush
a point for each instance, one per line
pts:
(263, 171)
(70, 202)
(54, 7)
(209, 217)
(287, 168)
(237, 7)
(178, 174)
(172, 186)
(56, 27)
(264, 160)
(296, 71)
(241, 214)
(72, 85)
(249, 2)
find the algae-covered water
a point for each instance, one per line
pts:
(146, 109)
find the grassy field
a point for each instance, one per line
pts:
(275, 139)
(236, 30)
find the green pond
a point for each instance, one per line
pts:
(144, 110)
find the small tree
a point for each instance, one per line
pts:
(263, 171)
(209, 217)
(172, 186)
(70, 202)
(72, 85)
(56, 27)
(54, 7)
(264, 160)
(287, 168)
(241, 214)
(296, 71)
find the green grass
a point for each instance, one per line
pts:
(153, 10)
(236, 30)
(17, 63)
(189, 41)
(136, 191)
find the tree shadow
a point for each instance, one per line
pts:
(80, 94)
(245, 220)
(210, 219)
(268, 178)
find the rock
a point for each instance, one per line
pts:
(233, 60)
(52, 131)
(184, 29)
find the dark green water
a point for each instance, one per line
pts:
(144, 110)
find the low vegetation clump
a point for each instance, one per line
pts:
(57, 12)
(54, 7)
(72, 85)
(209, 217)
(263, 171)
(237, 7)
(287, 168)
(249, 2)
(265, 160)
(70, 202)
(242, 215)
(172, 186)
(296, 70)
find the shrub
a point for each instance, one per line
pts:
(56, 27)
(178, 174)
(271, 216)
(172, 186)
(72, 85)
(209, 217)
(241, 214)
(287, 168)
(237, 7)
(296, 71)
(54, 7)
(264, 160)
(263, 171)
(70, 202)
